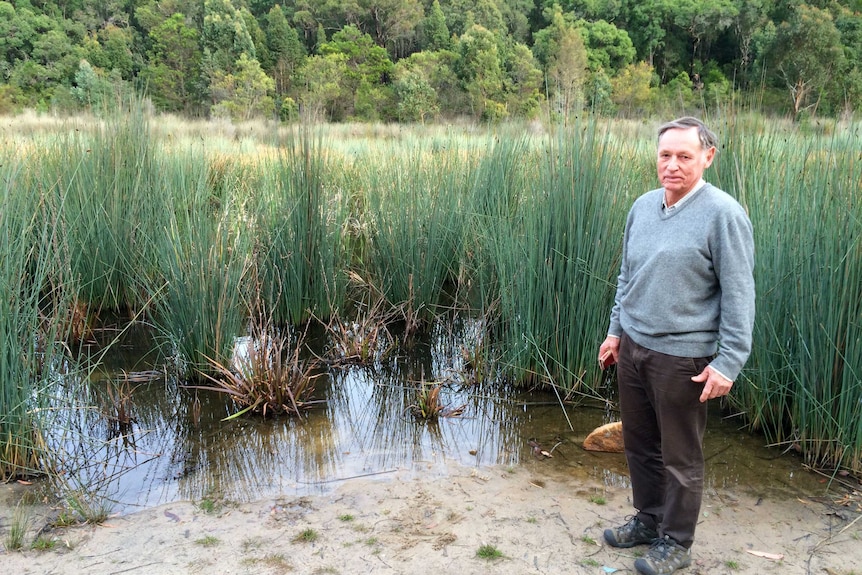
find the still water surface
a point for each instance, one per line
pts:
(363, 427)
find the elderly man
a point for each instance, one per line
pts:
(680, 332)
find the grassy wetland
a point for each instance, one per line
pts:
(212, 234)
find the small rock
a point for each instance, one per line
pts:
(608, 438)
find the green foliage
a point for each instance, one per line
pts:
(804, 54)
(479, 68)
(367, 65)
(285, 51)
(608, 48)
(417, 100)
(92, 89)
(224, 36)
(561, 51)
(244, 94)
(631, 89)
(435, 29)
(174, 64)
(319, 86)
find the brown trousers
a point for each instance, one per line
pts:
(663, 427)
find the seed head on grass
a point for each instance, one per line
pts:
(488, 552)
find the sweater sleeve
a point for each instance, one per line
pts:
(733, 260)
(615, 329)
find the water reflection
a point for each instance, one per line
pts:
(170, 451)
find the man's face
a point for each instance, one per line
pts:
(681, 161)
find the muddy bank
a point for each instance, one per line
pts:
(531, 518)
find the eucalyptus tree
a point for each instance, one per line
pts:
(701, 22)
(225, 39)
(645, 21)
(561, 53)
(224, 35)
(462, 14)
(392, 24)
(285, 50)
(318, 86)
(368, 68)
(244, 93)
(480, 71)
(805, 56)
(523, 81)
(173, 64)
(113, 49)
(434, 30)
(516, 14)
(849, 79)
(420, 71)
(752, 18)
(608, 48)
(417, 99)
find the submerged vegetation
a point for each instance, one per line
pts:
(372, 236)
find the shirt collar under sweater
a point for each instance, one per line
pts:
(670, 209)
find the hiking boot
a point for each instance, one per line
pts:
(663, 558)
(632, 533)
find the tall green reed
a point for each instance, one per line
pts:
(803, 386)
(301, 231)
(104, 174)
(411, 205)
(557, 256)
(200, 257)
(32, 309)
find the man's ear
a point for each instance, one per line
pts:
(710, 155)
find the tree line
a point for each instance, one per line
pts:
(431, 60)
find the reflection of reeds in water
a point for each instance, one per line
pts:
(117, 405)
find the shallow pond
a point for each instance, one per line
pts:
(364, 427)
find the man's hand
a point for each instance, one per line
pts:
(608, 351)
(716, 385)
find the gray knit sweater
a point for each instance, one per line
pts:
(686, 283)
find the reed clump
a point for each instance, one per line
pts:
(268, 376)
(429, 406)
(802, 386)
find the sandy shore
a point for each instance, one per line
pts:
(399, 522)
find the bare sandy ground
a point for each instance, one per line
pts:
(400, 522)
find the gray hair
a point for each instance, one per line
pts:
(707, 137)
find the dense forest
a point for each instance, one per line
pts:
(432, 60)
